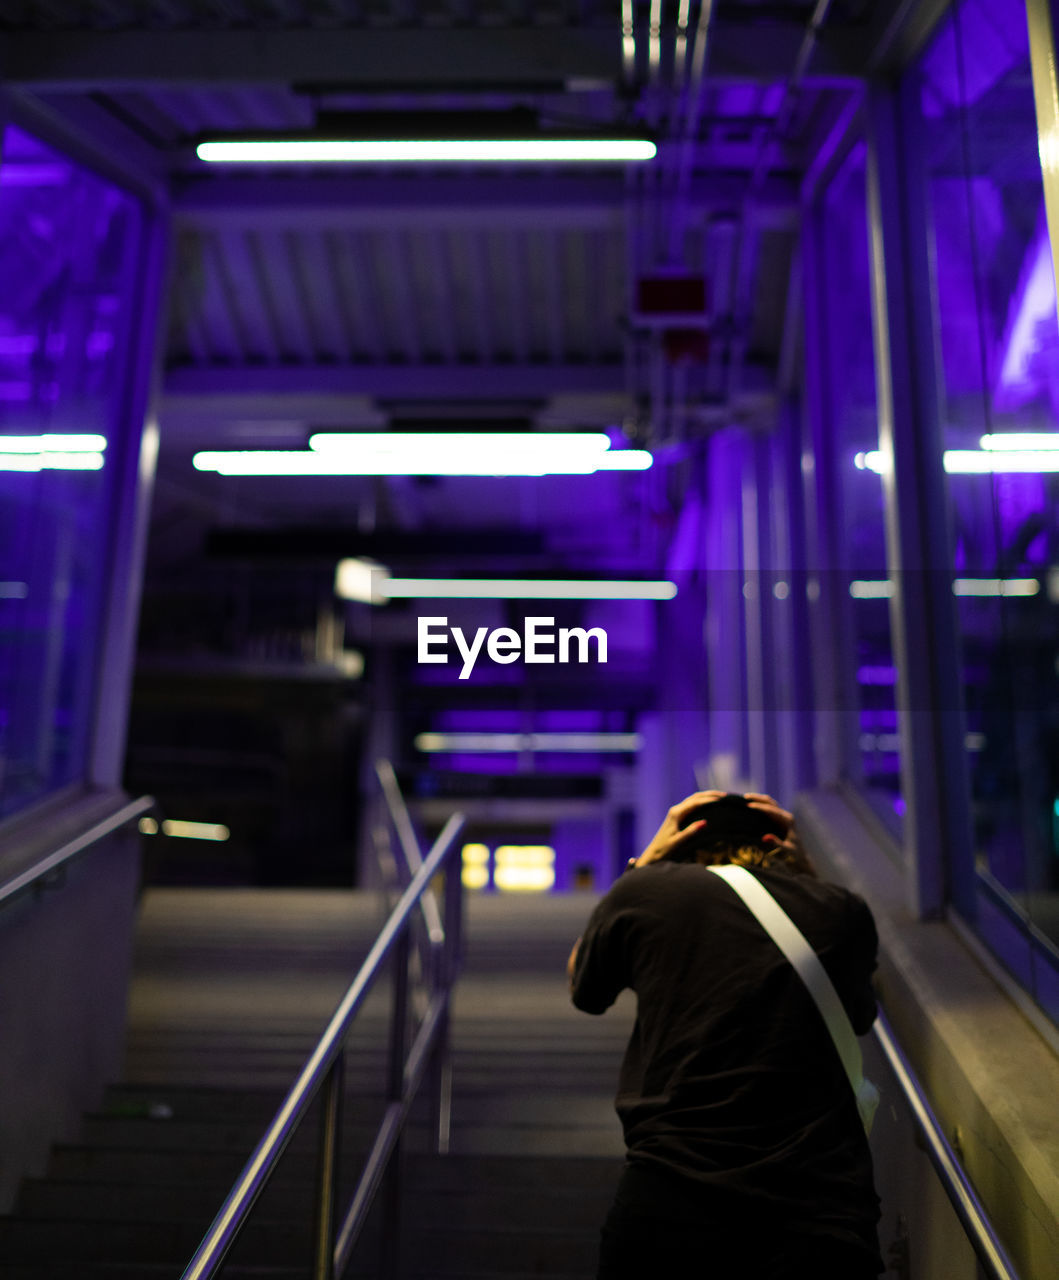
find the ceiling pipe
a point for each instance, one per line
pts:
(692, 113)
(654, 42)
(742, 279)
(680, 45)
(628, 42)
(661, 240)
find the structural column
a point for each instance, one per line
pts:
(136, 435)
(938, 841)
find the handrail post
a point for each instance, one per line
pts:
(327, 1170)
(448, 968)
(391, 1191)
(393, 941)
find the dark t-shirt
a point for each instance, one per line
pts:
(731, 1080)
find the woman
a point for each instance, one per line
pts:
(745, 1151)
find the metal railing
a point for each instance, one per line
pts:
(406, 838)
(431, 938)
(333, 1245)
(983, 1239)
(53, 861)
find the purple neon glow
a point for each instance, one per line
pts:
(1031, 324)
(881, 674)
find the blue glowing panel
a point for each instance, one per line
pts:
(66, 245)
(999, 344)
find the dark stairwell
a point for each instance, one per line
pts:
(231, 989)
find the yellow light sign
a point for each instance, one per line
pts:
(524, 868)
(475, 866)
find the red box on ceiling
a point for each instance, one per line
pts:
(671, 295)
(686, 344)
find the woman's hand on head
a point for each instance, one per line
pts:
(672, 835)
(789, 843)
(782, 817)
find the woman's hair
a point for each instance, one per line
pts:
(790, 855)
(735, 831)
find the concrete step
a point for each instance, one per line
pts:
(521, 1207)
(25, 1240)
(163, 1271)
(468, 1252)
(190, 1135)
(217, 1169)
(43, 1270)
(189, 1102)
(197, 1202)
(461, 1243)
(537, 1140)
(465, 1174)
(232, 991)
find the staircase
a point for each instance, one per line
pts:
(232, 988)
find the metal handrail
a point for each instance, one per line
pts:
(24, 879)
(983, 1239)
(324, 1070)
(406, 836)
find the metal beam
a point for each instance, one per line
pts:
(899, 31)
(535, 202)
(414, 59)
(369, 201)
(87, 134)
(223, 389)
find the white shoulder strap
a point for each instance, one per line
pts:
(791, 941)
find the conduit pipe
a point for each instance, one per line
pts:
(757, 177)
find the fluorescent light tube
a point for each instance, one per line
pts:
(996, 587)
(628, 40)
(431, 459)
(525, 589)
(864, 589)
(52, 453)
(450, 451)
(882, 589)
(625, 460)
(1020, 440)
(361, 580)
(508, 742)
(654, 38)
(1000, 461)
(188, 830)
(429, 151)
(996, 458)
(50, 461)
(409, 442)
(52, 444)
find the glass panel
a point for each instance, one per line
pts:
(999, 353)
(66, 241)
(874, 760)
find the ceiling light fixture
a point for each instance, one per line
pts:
(52, 453)
(526, 589)
(410, 442)
(428, 151)
(883, 589)
(433, 453)
(518, 742)
(628, 41)
(366, 582)
(996, 461)
(1011, 454)
(1020, 441)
